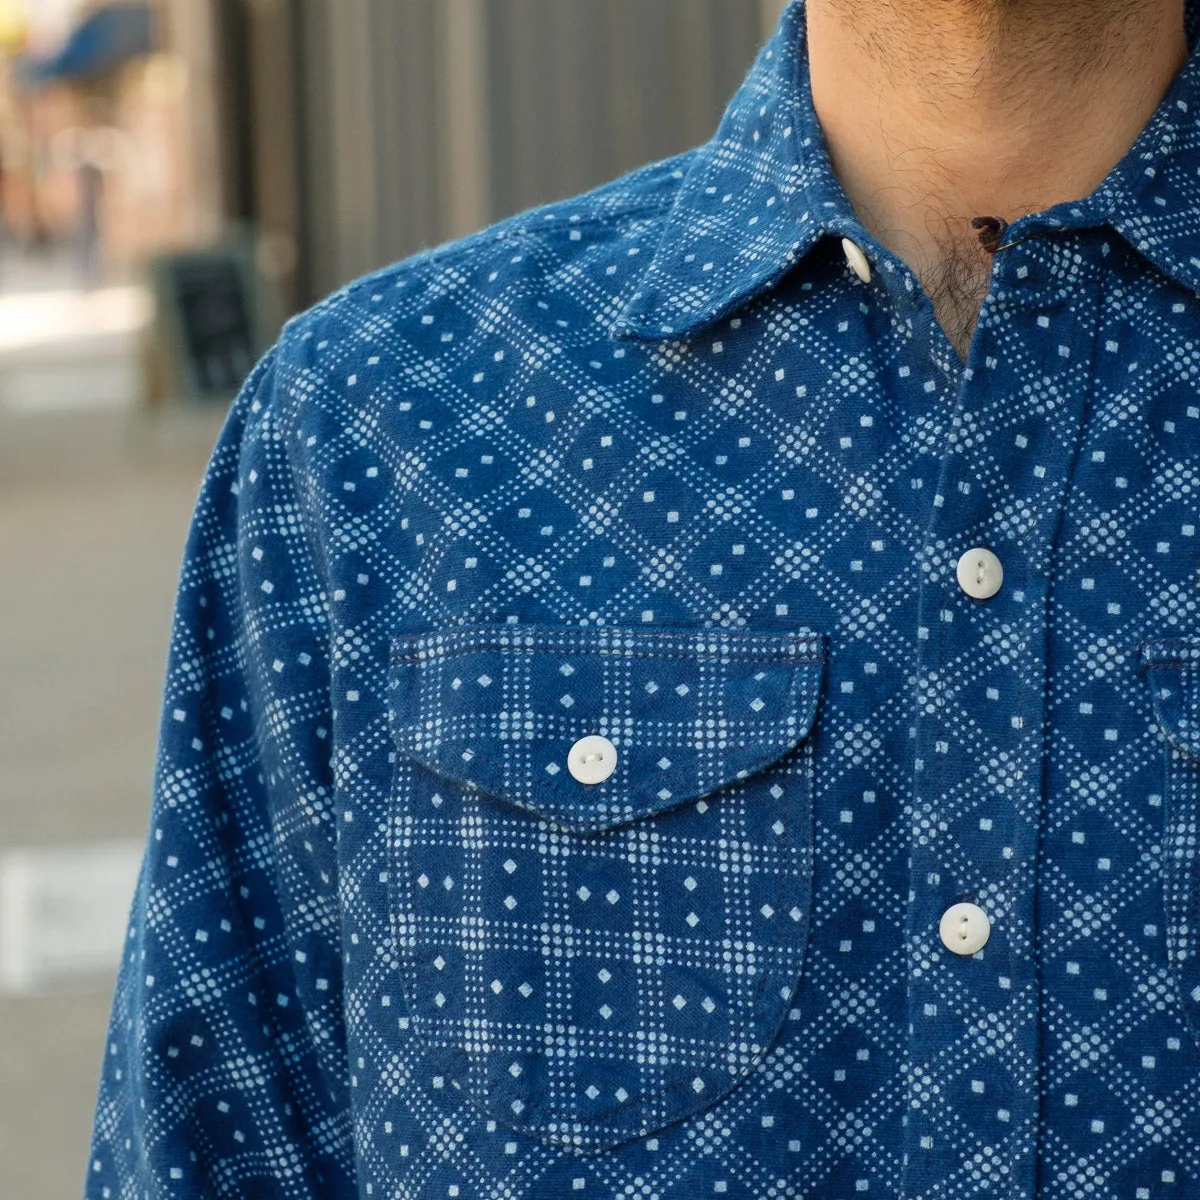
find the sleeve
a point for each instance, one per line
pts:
(224, 1073)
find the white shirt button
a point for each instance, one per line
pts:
(592, 759)
(857, 260)
(980, 573)
(965, 928)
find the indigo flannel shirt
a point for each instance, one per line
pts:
(657, 468)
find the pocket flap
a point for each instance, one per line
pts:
(1174, 665)
(498, 707)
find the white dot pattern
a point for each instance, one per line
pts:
(654, 464)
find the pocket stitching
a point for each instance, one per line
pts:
(486, 636)
(1156, 657)
(598, 819)
(765, 1032)
(1177, 756)
(759, 1024)
(763, 1029)
(588, 814)
(1177, 880)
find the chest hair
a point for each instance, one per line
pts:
(956, 280)
(955, 274)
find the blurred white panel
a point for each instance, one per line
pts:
(112, 379)
(45, 320)
(67, 351)
(63, 914)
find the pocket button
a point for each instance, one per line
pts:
(592, 759)
(965, 928)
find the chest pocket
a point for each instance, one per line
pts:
(591, 961)
(1174, 671)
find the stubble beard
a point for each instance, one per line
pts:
(1074, 38)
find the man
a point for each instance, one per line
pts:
(695, 690)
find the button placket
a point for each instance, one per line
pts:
(978, 779)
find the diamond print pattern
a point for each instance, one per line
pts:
(655, 463)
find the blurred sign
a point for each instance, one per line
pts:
(105, 38)
(208, 327)
(215, 314)
(63, 914)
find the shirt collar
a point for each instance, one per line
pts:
(758, 196)
(1152, 196)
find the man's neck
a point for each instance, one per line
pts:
(939, 111)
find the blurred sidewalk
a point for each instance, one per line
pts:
(63, 351)
(94, 502)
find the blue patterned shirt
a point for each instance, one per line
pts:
(644, 720)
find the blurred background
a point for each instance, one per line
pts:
(176, 178)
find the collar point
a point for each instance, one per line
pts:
(633, 329)
(641, 320)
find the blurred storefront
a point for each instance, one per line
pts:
(333, 135)
(344, 133)
(106, 132)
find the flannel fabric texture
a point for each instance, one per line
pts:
(654, 465)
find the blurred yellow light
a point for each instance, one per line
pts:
(164, 77)
(14, 26)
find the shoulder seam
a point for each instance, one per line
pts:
(522, 226)
(463, 246)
